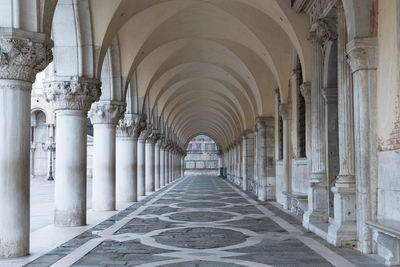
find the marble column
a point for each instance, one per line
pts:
(170, 165)
(157, 158)
(141, 160)
(317, 203)
(343, 230)
(166, 169)
(71, 101)
(248, 158)
(182, 165)
(126, 158)
(23, 55)
(104, 116)
(362, 52)
(265, 158)
(285, 110)
(150, 161)
(162, 163)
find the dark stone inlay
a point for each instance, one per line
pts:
(201, 204)
(202, 264)
(201, 238)
(200, 216)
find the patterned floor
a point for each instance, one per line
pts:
(201, 221)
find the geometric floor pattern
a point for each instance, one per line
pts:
(201, 221)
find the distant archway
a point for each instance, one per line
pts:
(202, 156)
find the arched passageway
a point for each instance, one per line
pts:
(300, 97)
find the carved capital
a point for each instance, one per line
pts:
(76, 94)
(145, 132)
(305, 90)
(127, 125)
(263, 122)
(285, 110)
(362, 53)
(23, 54)
(322, 31)
(106, 112)
(153, 137)
(319, 8)
(247, 134)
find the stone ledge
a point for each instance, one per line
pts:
(386, 234)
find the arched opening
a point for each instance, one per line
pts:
(202, 156)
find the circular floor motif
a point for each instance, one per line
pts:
(200, 238)
(201, 197)
(202, 263)
(201, 205)
(200, 216)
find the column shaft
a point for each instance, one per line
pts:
(150, 182)
(162, 166)
(15, 97)
(157, 165)
(141, 180)
(126, 169)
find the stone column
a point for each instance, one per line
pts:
(248, 158)
(317, 204)
(182, 165)
(285, 110)
(157, 158)
(362, 52)
(126, 157)
(104, 117)
(71, 101)
(343, 230)
(162, 163)
(150, 161)
(265, 158)
(23, 55)
(166, 169)
(141, 161)
(170, 167)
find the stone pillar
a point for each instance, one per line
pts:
(317, 203)
(362, 52)
(150, 161)
(170, 165)
(104, 117)
(248, 158)
(244, 160)
(265, 158)
(23, 55)
(71, 101)
(166, 169)
(126, 158)
(285, 110)
(162, 163)
(343, 230)
(141, 161)
(182, 165)
(157, 159)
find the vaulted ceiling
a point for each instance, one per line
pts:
(209, 66)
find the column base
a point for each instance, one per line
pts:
(343, 231)
(311, 217)
(342, 235)
(69, 218)
(266, 189)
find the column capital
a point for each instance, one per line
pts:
(77, 93)
(362, 53)
(322, 31)
(246, 134)
(23, 54)
(305, 89)
(130, 125)
(263, 122)
(153, 137)
(330, 95)
(285, 110)
(145, 132)
(106, 112)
